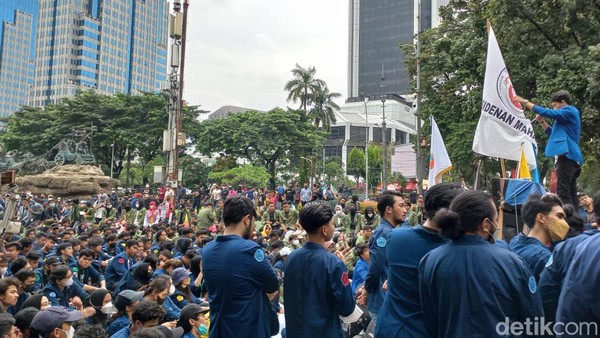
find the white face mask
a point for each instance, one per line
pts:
(338, 211)
(295, 242)
(171, 289)
(70, 333)
(108, 308)
(68, 282)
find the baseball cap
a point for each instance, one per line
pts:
(49, 319)
(52, 261)
(174, 333)
(285, 251)
(126, 297)
(179, 275)
(192, 311)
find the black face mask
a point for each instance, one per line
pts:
(112, 245)
(127, 208)
(30, 288)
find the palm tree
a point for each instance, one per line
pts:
(303, 85)
(323, 110)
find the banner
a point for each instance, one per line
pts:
(502, 127)
(439, 162)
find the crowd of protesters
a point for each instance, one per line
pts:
(229, 261)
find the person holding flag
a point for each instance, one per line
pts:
(563, 142)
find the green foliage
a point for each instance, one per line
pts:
(547, 46)
(268, 139)
(224, 163)
(248, 175)
(302, 86)
(356, 163)
(132, 122)
(323, 109)
(194, 171)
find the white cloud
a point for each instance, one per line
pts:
(240, 52)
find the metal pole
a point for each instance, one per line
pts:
(180, 98)
(383, 135)
(366, 150)
(418, 107)
(112, 159)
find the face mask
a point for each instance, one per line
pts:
(202, 329)
(52, 205)
(558, 230)
(68, 282)
(491, 239)
(30, 288)
(109, 207)
(296, 242)
(171, 289)
(338, 211)
(112, 245)
(127, 208)
(70, 333)
(352, 211)
(108, 309)
(370, 215)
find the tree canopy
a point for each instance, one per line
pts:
(268, 139)
(547, 46)
(134, 123)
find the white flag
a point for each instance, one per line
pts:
(502, 127)
(439, 162)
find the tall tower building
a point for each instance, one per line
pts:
(18, 21)
(376, 29)
(113, 46)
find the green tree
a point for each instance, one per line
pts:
(134, 123)
(302, 86)
(547, 46)
(356, 163)
(248, 175)
(265, 139)
(323, 109)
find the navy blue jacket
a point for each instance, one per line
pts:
(317, 292)
(238, 277)
(468, 286)
(401, 314)
(120, 322)
(378, 266)
(551, 279)
(533, 252)
(61, 298)
(85, 276)
(579, 300)
(117, 267)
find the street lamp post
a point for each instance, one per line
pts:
(311, 169)
(112, 155)
(366, 150)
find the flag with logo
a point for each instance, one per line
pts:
(502, 127)
(439, 162)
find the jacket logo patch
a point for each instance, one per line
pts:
(259, 255)
(532, 285)
(381, 242)
(550, 261)
(345, 279)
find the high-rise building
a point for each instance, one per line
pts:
(112, 46)
(376, 29)
(18, 21)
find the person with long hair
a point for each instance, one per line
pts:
(9, 292)
(468, 284)
(158, 290)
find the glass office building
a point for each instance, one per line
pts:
(112, 46)
(376, 29)
(18, 21)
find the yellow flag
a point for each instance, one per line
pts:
(523, 170)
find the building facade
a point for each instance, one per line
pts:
(359, 123)
(376, 28)
(111, 46)
(18, 23)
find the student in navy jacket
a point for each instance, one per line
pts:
(239, 278)
(468, 286)
(563, 142)
(317, 289)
